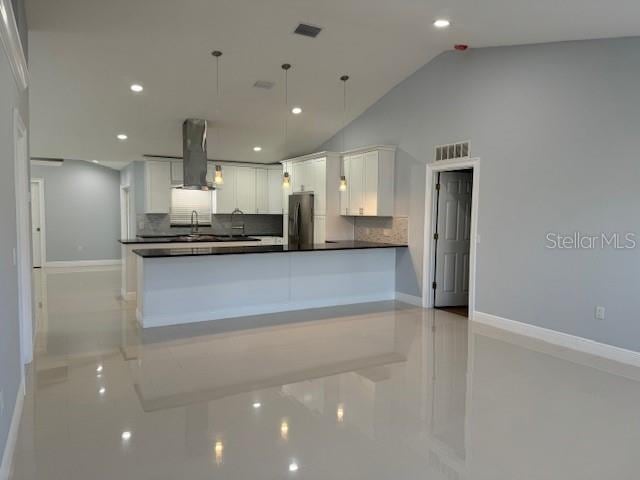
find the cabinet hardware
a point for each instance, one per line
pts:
(434, 285)
(435, 236)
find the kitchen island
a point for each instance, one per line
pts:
(185, 285)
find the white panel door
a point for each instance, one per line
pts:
(246, 189)
(370, 183)
(262, 191)
(452, 245)
(274, 191)
(226, 193)
(355, 184)
(36, 227)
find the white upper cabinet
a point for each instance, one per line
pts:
(226, 193)
(370, 175)
(246, 189)
(177, 173)
(274, 191)
(157, 187)
(262, 190)
(251, 189)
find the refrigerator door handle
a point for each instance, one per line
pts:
(296, 221)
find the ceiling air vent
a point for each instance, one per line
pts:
(452, 150)
(267, 85)
(307, 30)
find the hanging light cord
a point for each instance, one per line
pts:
(344, 79)
(286, 67)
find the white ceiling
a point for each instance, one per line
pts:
(84, 54)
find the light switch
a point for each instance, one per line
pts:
(599, 312)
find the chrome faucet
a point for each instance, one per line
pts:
(194, 226)
(237, 211)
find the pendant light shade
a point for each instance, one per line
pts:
(218, 179)
(343, 179)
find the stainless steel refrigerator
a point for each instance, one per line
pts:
(301, 219)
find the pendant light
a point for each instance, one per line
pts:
(218, 179)
(286, 180)
(343, 179)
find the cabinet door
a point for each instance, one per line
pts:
(319, 174)
(286, 167)
(319, 224)
(355, 185)
(370, 183)
(274, 191)
(226, 193)
(157, 187)
(246, 189)
(262, 191)
(344, 195)
(177, 173)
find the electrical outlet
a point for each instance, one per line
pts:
(599, 312)
(15, 258)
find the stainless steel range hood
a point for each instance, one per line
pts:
(194, 152)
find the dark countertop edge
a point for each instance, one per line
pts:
(259, 249)
(174, 239)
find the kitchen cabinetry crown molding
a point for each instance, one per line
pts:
(13, 45)
(388, 148)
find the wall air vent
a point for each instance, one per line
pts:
(452, 151)
(307, 30)
(265, 84)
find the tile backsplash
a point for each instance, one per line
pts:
(382, 229)
(158, 224)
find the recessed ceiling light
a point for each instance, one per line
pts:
(441, 23)
(136, 88)
(102, 391)
(257, 405)
(293, 467)
(122, 136)
(126, 435)
(99, 368)
(257, 149)
(296, 110)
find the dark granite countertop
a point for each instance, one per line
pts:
(231, 250)
(207, 238)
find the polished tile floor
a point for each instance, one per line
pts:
(377, 391)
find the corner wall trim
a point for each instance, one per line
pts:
(573, 342)
(84, 263)
(410, 299)
(12, 437)
(12, 45)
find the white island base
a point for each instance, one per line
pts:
(179, 290)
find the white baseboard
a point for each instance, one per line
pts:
(12, 437)
(84, 263)
(410, 299)
(580, 344)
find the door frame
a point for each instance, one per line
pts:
(43, 229)
(23, 247)
(428, 262)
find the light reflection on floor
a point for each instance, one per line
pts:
(376, 391)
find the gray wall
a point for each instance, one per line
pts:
(82, 211)
(556, 127)
(10, 98)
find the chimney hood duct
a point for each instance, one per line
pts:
(194, 152)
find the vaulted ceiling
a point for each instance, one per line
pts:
(85, 54)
